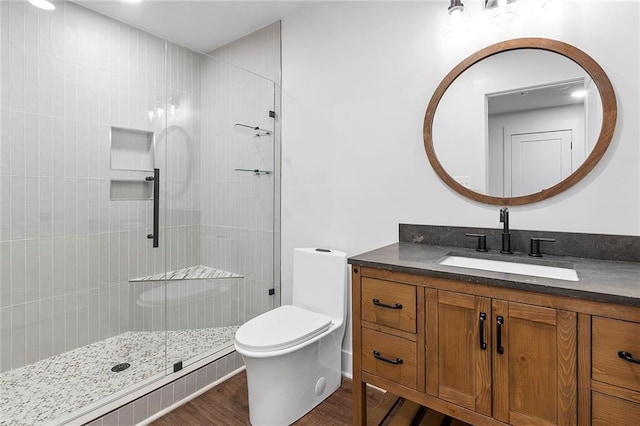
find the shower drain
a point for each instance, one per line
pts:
(120, 367)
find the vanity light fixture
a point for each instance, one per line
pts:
(498, 12)
(42, 4)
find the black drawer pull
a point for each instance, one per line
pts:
(384, 305)
(397, 361)
(628, 357)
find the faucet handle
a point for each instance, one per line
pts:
(535, 245)
(482, 241)
(504, 215)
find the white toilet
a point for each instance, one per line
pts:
(293, 353)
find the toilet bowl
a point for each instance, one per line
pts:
(293, 353)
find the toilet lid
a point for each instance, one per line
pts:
(281, 328)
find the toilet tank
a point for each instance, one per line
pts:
(320, 281)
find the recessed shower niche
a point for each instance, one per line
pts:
(132, 157)
(131, 149)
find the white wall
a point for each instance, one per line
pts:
(357, 78)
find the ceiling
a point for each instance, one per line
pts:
(197, 24)
(527, 99)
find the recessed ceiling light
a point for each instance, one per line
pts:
(42, 4)
(579, 93)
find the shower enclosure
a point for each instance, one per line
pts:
(138, 216)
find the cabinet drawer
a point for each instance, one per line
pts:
(609, 337)
(390, 357)
(608, 410)
(389, 303)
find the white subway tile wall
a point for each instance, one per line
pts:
(66, 250)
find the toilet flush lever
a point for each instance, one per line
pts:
(384, 305)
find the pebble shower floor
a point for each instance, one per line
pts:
(44, 391)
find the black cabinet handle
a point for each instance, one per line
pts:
(397, 361)
(156, 206)
(483, 318)
(384, 305)
(499, 322)
(628, 357)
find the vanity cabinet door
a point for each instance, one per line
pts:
(534, 364)
(464, 350)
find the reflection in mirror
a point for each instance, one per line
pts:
(538, 136)
(517, 123)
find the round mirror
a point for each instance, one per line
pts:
(519, 121)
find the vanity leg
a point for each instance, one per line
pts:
(359, 387)
(359, 402)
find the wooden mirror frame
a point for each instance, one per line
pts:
(609, 117)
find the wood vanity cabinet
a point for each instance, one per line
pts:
(489, 355)
(525, 374)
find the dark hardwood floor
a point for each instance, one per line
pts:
(227, 404)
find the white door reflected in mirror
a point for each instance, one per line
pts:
(535, 161)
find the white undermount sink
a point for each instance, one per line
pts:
(543, 271)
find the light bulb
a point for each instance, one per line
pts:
(458, 22)
(504, 14)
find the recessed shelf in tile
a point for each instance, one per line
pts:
(131, 149)
(131, 190)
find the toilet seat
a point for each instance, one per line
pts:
(281, 328)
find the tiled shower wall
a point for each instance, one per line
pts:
(67, 251)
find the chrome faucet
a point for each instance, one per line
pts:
(506, 236)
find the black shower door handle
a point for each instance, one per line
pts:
(156, 206)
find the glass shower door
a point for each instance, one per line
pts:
(220, 204)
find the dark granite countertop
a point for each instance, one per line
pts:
(599, 280)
